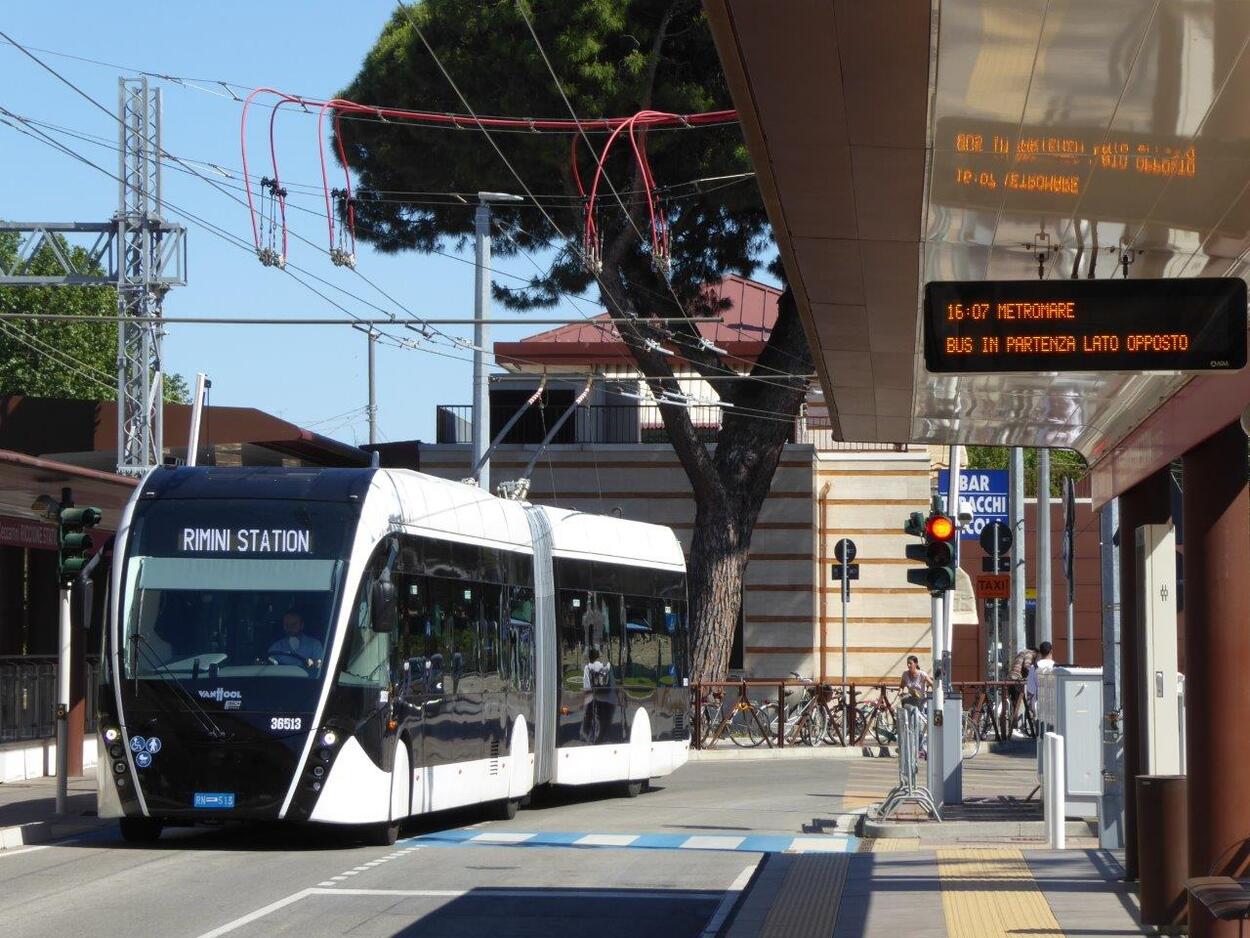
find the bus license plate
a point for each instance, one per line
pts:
(214, 799)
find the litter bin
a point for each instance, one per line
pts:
(1162, 849)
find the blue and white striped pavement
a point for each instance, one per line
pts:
(753, 843)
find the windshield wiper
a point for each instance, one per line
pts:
(206, 722)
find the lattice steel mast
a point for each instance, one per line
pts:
(138, 252)
(139, 293)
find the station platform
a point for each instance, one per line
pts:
(893, 887)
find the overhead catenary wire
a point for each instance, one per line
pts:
(581, 126)
(645, 168)
(238, 242)
(241, 244)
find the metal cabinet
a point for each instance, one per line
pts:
(1070, 704)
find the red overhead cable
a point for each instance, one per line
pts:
(346, 256)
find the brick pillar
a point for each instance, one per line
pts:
(1217, 649)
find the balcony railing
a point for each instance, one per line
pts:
(623, 423)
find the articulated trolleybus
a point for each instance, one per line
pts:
(355, 646)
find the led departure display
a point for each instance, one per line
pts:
(1196, 324)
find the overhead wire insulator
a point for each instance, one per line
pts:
(707, 346)
(267, 251)
(342, 253)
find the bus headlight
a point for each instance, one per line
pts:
(119, 767)
(329, 738)
(112, 734)
(116, 751)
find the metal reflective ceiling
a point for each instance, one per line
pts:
(1081, 132)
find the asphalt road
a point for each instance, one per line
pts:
(578, 862)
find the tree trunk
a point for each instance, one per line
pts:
(718, 559)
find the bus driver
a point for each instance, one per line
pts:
(295, 644)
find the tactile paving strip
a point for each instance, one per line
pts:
(808, 901)
(989, 892)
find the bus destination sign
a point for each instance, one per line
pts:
(993, 326)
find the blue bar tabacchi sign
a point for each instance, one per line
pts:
(983, 492)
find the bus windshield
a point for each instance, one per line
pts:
(233, 596)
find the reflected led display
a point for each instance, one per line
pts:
(1094, 173)
(1085, 325)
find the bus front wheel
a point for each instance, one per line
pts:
(382, 835)
(141, 830)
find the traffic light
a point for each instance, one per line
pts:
(937, 552)
(75, 540)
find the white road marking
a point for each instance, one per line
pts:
(501, 837)
(731, 896)
(19, 851)
(819, 845)
(328, 882)
(707, 842)
(606, 840)
(262, 912)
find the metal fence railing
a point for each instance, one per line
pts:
(27, 698)
(779, 713)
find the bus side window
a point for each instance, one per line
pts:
(368, 655)
(613, 644)
(488, 630)
(410, 640)
(519, 635)
(642, 650)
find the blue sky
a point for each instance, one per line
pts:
(313, 376)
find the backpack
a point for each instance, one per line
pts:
(599, 676)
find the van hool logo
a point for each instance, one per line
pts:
(220, 694)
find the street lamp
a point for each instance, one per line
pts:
(481, 334)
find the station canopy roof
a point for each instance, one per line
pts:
(884, 136)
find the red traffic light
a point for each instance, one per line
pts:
(940, 528)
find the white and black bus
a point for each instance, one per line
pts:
(355, 646)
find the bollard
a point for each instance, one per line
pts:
(1054, 800)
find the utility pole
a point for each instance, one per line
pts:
(373, 391)
(481, 334)
(1044, 631)
(1018, 638)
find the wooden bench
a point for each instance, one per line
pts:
(1225, 898)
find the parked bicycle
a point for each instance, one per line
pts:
(812, 713)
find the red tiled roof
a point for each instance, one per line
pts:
(743, 331)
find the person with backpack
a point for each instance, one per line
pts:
(597, 694)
